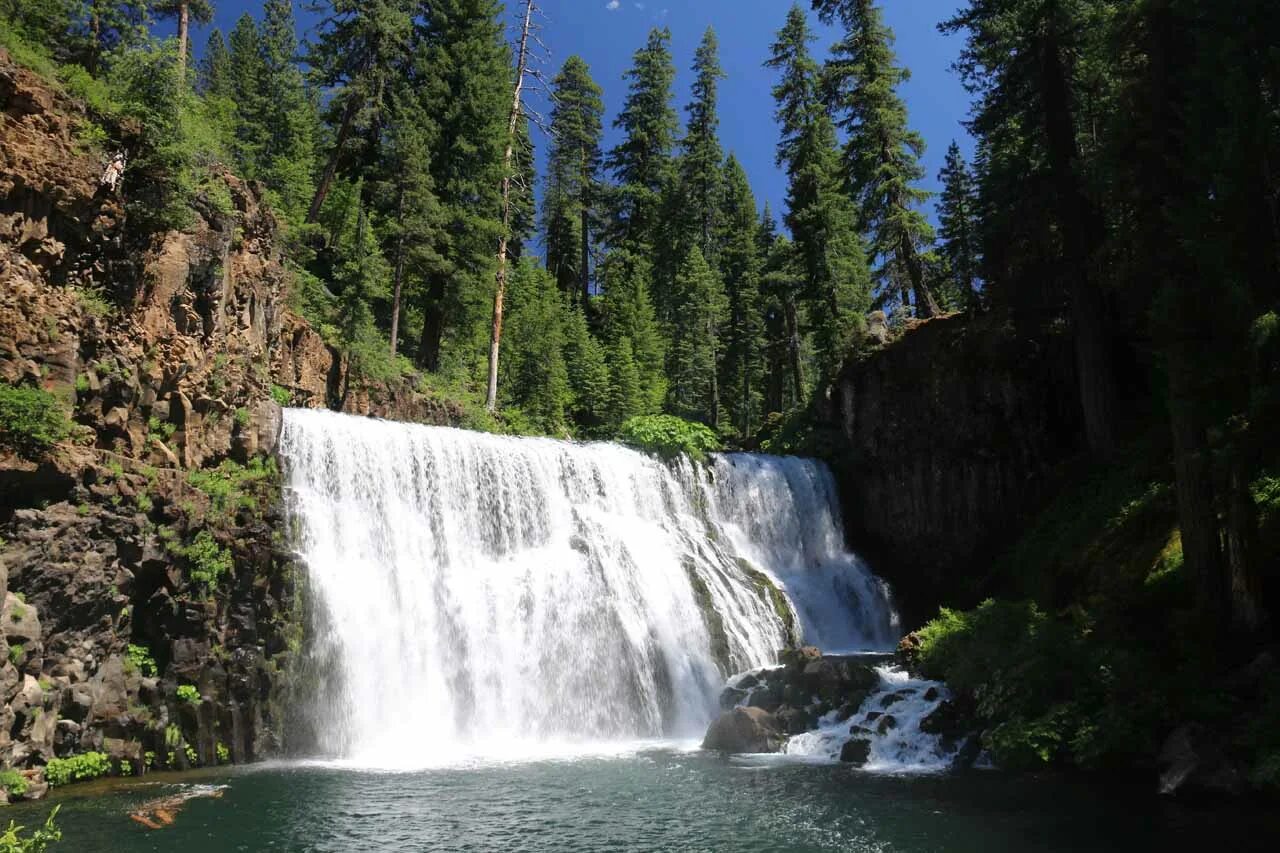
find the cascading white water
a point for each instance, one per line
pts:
(479, 594)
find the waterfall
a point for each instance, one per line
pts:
(477, 594)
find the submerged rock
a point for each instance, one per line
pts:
(745, 730)
(856, 751)
(1192, 760)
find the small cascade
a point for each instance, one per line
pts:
(884, 734)
(487, 594)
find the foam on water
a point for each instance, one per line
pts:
(479, 595)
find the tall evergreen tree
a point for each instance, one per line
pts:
(245, 75)
(627, 314)
(819, 214)
(742, 337)
(702, 156)
(215, 68)
(883, 154)
(360, 44)
(588, 371)
(642, 162)
(693, 390)
(958, 228)
(288, 148)
(462, 74)
(535, 374)
(570, 197)
(184, 12)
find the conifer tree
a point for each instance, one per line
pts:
(535, 374)
(184, 12)
(821, 218)
(692, 368)
(701, 156)
(110, 25)
(642, 162)
(742, 335)
(883, 154)
(214, 76)
(571, 187)
(360, 44)
(287, 155)
(957, 228)
(588, 371)
(627, 395)
(245, 76)
(462, 74)
(627, 313)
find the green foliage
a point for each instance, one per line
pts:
(188, 693)
(17, 654)
(208, 562)
(172, 736)
(670, 436)
(139, 658)
(31, 421)
(223, 754)
(11, 841)
(232, 485)
(77, 768)
(242, 417)
(283, 396)
(14, 783)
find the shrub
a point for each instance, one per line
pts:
(31, 421)
(281, 395)
(139, 657)
(669, 436)
(188, 693)
(13, 782)
(13, 842)
(224, 754)
(77, 768)
(242, 417)
(208, 560)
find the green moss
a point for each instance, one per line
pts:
(712, 619)
(774, 598)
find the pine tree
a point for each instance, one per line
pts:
(883, 154)
(627, 395)
(571, 187)
(692, 359)
(184, 11)
(627, 313)
(245, 75)
(742, 336)
(535, 374)
(214, 76)
(702, 156)
(462, 76)
(588, 371)
(111, 25)
(642, 162)
(819, 214)
(288, 150)
(957, 228)
(361, 43)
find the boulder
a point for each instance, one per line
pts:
(794, 721)
(1193, 761)
(745, 730)
(795, 660)
(856, 751)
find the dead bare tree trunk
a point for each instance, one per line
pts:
(500, 292)
(184, 28)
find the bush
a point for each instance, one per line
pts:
(13, 782)
(188, 693)
(669, 436)
(13, 842)
(281, 395)
(209, 561)
(139, 658)
(77, 768)
(31, 421)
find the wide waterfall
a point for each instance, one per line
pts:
(478, 594)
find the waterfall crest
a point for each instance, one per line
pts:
(473, 591)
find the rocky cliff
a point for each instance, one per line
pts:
(149, 602)
(948, 434)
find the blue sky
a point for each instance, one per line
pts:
(607, 32)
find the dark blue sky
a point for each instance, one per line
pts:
(607, 32)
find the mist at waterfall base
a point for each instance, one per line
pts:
(483, 597)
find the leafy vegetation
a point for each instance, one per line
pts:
(31, 420)
(208, 562)
(139, 658)
(669, 435)
(11, 841)
(76, 768)
(13, 782)
(188, 693)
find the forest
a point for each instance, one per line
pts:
(1124, 198)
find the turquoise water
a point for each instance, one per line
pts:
(648, 801)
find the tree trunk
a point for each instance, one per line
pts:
(926, 305)
(331, 168)
(714, 414)
(432, 325)
(184, 27)
(95, 28)
(495, 337)
(793, 347)
(584, 271)
(399, 273)
(1081, 227)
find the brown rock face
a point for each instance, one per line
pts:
(948, 432)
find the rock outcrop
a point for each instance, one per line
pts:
(949, 431)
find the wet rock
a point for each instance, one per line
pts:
(855, 751)
(1193, 760)
(745, 730)
(948, 719)
(885, 723)
(731, 697)
(795, 660)
(795, 721)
